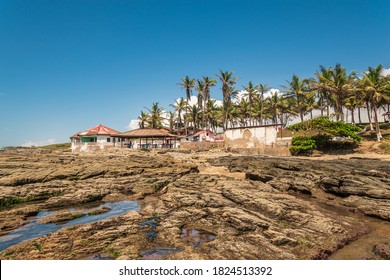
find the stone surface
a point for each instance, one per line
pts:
(256, 207)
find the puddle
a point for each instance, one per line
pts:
(362, 248)
(195, 237)
(150, 235)
(157, 254)
(34, 229)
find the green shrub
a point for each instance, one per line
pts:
(328, 127)
(317, 134)
(305, 144)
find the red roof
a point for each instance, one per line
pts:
(99, 130)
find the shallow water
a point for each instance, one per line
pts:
(195, 237)
(362, 248)
(34, 229)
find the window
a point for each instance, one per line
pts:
(108, 139)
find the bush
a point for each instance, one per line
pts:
(317, 134)
(305, 144)
(328, 127)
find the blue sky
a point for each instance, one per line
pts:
(66, 66)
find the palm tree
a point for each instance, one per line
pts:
(187, 84)
(262, 89)
(228, 82)
(298, 89)
(142, 119)
(252, 94)
(340, 85)
(200, 87)
(155, 116)
(244, 111)
(180, 106)
(208, 83)
(324, 77)
(228, 89)
(171, 121)
(213, 114)
(193, 116)
(377, 88)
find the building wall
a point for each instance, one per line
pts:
(252, 137)
(92, 146)
(201, 146)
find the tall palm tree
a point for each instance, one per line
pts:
(208, 83)
(323, 82)
(171, 121)
(142, 119)
(200, 87)
(193, 116)
(298, 89)
(187, 84)
(251, 91)
(377, 89)
(228, 89)
(228, 82)
(263, 88)
(180, 106)
(213, 114)
(341, 84)
(155, 116)
(244, 111)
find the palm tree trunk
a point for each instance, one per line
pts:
(369, 115)
(359, 116)
(377, 129)
(262, 106)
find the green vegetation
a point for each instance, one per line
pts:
(318, 133)
(77, 216)
(7, 202)
(37, 246)
(326, 127)
(93, 198)
(333, 91)
(113, 252)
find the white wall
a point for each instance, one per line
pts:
(252, 137)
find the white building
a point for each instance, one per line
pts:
(251, 137)
(95, 138)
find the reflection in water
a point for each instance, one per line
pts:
(35, 229)
(362, 248)
(196, 238)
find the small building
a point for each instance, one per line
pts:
(203, 136)
(251, 137)
(257, 140)
(95, 138)
(148, 138)
(387, 116)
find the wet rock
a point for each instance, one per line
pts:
(382, 250)
(61, 217)
(378, 208)
(254, 176)
(257, 217)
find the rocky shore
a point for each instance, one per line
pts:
(193, 205)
